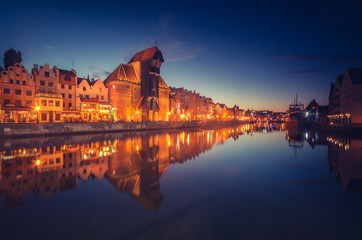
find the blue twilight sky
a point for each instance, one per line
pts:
(257, 54)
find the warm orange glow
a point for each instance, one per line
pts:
(137, 148)
(38, 162)
(37, 108)
(137, 112)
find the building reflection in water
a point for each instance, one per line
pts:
(344, 156)
(132, 163)
(345, 161)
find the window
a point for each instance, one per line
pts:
(102, 97)
(63, 105)
(57, 118)
(17, 81)
(70, 105)
(17, 91)
(42, 83)
(100, 89)
(6, 91)
(11, 81)
(63, 95)
(62, 86)
(57, 160)
(43, 102)
(57, 103)
(70, 95)
(17, 102)
(43, 116)
(69, 86)
(29, 103)
(24, 83)
(50, 84)
(51, 103)
(46, 74)
(6, 102)
(84, 89)
(28, 93)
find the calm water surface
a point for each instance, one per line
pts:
(250, 182)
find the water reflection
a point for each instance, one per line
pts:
(344, 156)
(132, 162)
(345, 161)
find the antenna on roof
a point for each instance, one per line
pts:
(73, 63)
(156, 43)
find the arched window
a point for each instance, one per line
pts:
(11, 81)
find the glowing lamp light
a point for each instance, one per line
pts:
(38, 162)
(137, 112)
(137, 147)
(37, 108)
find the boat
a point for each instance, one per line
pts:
(295, 120)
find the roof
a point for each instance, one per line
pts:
(123, 73)
(355, 75)
(161, 83)
(147, 54)
(79, 80)
(67, 72)
(339, 79)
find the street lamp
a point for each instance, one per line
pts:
(37, 108)
(137, 112)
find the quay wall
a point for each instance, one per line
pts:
(9, 130)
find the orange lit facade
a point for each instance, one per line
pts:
(92, 101)
(17, 95)
(133, 92)
(48, 101)
(67, 89)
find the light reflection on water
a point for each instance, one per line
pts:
(253, 181)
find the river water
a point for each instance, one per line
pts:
(249, 182)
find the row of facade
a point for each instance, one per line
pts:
(132, 92)
(345, 99)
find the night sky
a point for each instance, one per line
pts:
(257, 54)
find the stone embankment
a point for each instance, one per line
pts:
(46, 129)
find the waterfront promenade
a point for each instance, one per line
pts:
(45, 129)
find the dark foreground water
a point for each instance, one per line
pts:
(250, 182)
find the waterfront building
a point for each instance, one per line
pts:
(316, 113)
(147, 64)
(92, 101)
(351, 97)
(194, 105)
(48, 101)
(164, 101)
(17, 95)
(124, 88)
(67, 88)
(345, 107)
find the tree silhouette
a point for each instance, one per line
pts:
(11, 57)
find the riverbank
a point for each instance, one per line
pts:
(11, 130)
(342, 131)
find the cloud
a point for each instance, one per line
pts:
(170, 40)
(324, 58)
(301, 71)
(96, 72)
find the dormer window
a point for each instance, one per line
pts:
(46, 74)
(11, 81)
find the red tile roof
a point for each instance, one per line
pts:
(147, 54)
(123, 73)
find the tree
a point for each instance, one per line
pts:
(11, 57)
